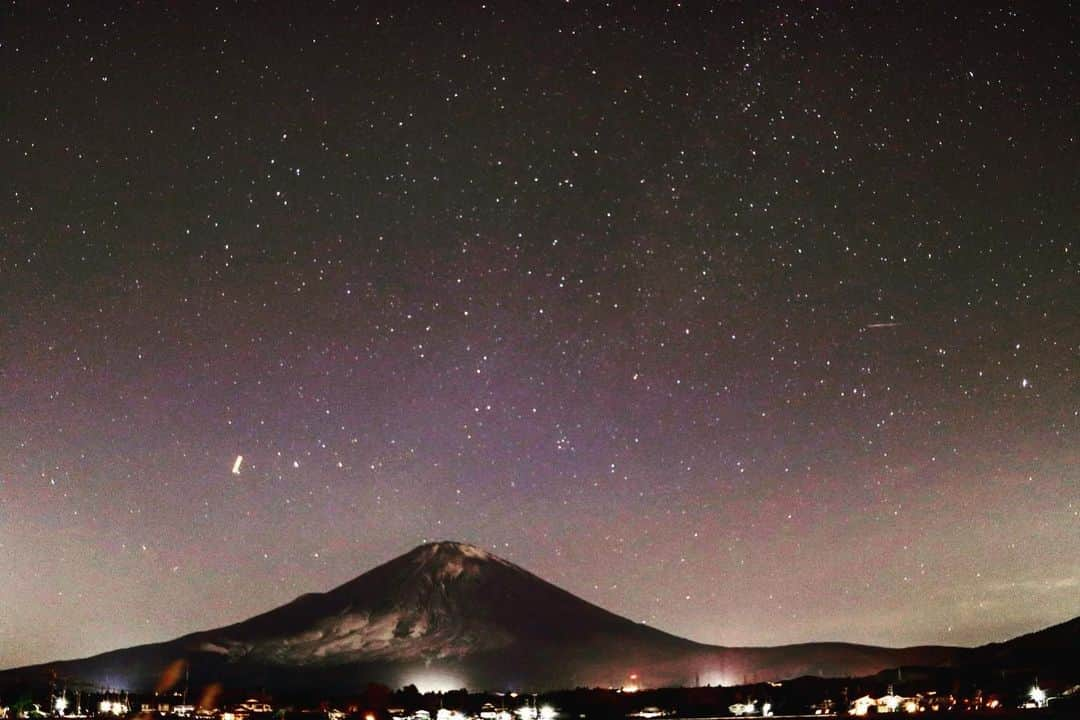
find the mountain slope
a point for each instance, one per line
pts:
(452, 615)
(1053, 647)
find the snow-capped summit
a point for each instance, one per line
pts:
(450, 558)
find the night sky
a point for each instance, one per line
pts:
(757, 323)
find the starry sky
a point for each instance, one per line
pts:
(755, 322)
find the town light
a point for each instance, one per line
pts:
(436, 681)
(112, 707)
(60, 705)
(1038, 696)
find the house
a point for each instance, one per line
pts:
(861, 706)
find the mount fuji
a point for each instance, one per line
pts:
(449, 615)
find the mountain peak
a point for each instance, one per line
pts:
(453, 546)
(449, 559)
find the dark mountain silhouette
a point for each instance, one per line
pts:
(452, 615)
(1053, 648)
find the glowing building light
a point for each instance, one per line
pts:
(1038, 696)
(861, 706)
(112, 707)
(740, 709)
(547, 712)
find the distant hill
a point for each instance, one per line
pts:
(448, 615)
